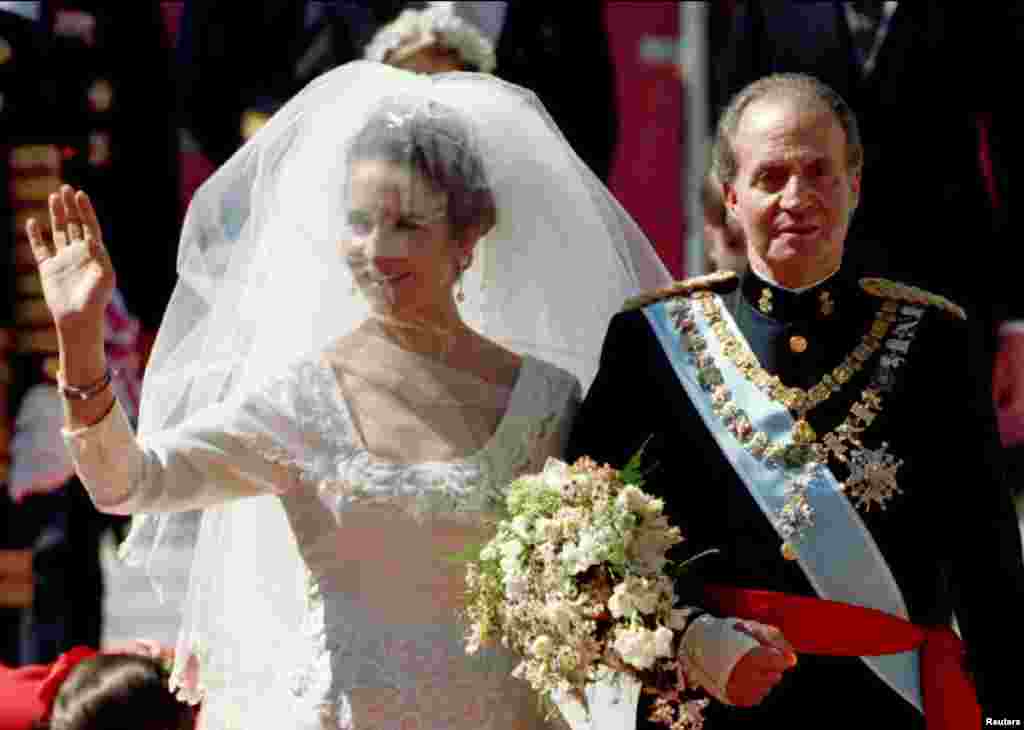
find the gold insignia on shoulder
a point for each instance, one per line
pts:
(721, 282)
(252, 122)
(6, 51)
(888, 289)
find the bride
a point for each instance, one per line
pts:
(388, 303)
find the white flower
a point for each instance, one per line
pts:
(575, 558)
(511, 548)
(583, 481)
(570, 519)
(663, 642)
(646, 602)
(654, 507)
(555, 474)
(589, 551)
(636, 646)
(632, 499)
(548, 552)
(511, 564)
(547, 530)
(561, 615)
(516, 587)
(633, 594)
(474, 640)
(542, 646)
(619, 604)
(649, 547)
(521, 527)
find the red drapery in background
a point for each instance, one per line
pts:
(648, 162)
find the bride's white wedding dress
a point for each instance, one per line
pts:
(351, 595)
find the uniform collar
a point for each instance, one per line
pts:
(818, 301)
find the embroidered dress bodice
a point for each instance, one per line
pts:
(381, 645)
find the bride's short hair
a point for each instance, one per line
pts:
(437, 143)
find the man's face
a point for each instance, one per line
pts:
(793, 193)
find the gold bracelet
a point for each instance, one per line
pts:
(86, 392)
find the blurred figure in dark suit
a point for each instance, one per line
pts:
(239, 62)
(560, 51)
(21, 96)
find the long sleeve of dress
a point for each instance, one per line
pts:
(206, 461)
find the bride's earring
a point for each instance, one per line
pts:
(460, 292)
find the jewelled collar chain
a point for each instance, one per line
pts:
(871, 476)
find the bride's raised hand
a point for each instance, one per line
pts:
(74, 267)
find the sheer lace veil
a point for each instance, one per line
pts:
(262, 281)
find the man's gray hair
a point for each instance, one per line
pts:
(794, 87)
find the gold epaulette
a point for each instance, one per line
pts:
(722, 282)
(911, 294)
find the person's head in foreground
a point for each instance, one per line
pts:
(789, 157)
(116, 691)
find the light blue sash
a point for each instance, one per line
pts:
(838, 554)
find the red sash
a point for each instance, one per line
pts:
(810, 625)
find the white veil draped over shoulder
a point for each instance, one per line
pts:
(262, 283)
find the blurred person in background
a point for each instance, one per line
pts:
(724, 245)
(74, 111)
(237, 67)
(125, 686)
(433, 39)
(20, 92)
(238, 62)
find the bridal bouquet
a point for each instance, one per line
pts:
(577, 582)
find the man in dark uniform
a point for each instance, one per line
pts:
(827, 438)
(892, 61)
